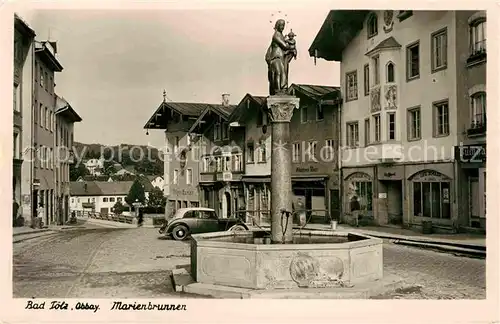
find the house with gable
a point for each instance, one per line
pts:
(413, 85)
(221, 160)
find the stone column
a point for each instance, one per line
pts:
(280, 111)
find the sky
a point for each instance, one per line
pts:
(118, 62)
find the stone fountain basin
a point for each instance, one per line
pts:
(217, 260)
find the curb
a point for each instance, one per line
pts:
(31, 237)
(445, 248)
(31, 232)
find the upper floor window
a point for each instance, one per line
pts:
(478, 36)
(376, 70)
(189, 176)
(205, 164)
(414, 124)
(391, 123)
(250, 153)
(441, 118)
(439, 44)
(175, 180)
(478, 110)
(262, 152)
(42, 78)
(17, 98)
(366, 76)
(296, 152)
(227, 164)
(390, 73)
(367, 131)
(352, 134)
(330, 152)
(413, 61)
(351, 86)
(225, 130)
(261, 118)
(376, 122)
(319, 112)
(372, 25)
(176, 144)
(312, 150)
(237, 165)
(104, 199)
(217, 131)
(303, 114)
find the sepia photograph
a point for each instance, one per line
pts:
(163, 155)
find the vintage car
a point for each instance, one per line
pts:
(195, 220)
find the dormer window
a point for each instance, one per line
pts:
(390, 72)
(372, 25)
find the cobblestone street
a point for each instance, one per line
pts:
(128, 263)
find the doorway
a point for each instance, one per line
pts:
(226, 205)
(394, 202)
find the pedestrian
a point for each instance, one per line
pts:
(15, 212)
(355, 207)
(40, 212)
(140, 217)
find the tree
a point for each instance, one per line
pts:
(77, 170)
(118, 208)
(156, 198)
(136, 192)
(109, 167)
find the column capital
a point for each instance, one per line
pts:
(280, 108)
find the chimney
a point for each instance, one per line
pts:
(225, 99)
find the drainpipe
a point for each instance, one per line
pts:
(32, 126)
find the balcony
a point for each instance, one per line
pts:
(386, 152)
(478, 53)
(477, 127)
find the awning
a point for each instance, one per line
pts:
(309, 178)
(88, 205)
(256, 179)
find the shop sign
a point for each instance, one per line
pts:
(390, 173)
(382, 195)
(429, 176)
(471, 153)
(306, 169)
(183, 192)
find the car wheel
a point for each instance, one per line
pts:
(235, 228)
(180, 232)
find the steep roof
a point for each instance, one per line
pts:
(316, 92)
(241, 108)
(104, 188)
(222, 111)
(161, 115)
(64, 109)
(337, 31)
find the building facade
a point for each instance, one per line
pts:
(251, 117)
(314, 137)
(23, 44)
(65, 117)
(100, 196)
(221, 160)
(405, 107)
(181, 153)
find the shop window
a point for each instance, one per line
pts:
(431, 199)
(363, 191)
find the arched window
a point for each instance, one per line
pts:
(372, 25)
(390, 72)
